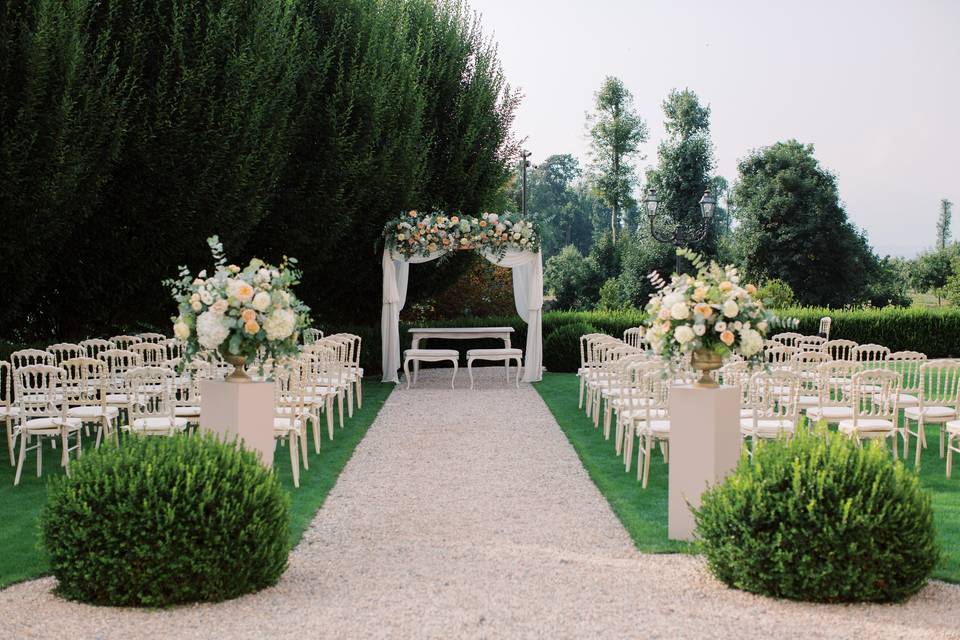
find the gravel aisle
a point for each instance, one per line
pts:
(467, 514)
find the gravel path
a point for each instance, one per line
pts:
(467, 514)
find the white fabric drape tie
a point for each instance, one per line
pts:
(527, 272)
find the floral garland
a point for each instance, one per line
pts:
(709, 310)
(425, 234)
(238, 312)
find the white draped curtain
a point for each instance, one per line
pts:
(527, 268)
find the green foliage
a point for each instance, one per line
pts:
(930, 270)
(616, 132)
(572, 278)
(561, 350)
(162, 521)
(612, 296)
(776, 294)
(943, 224)
(792, 227)
(935, 332)
(286, 128)
(820, 519)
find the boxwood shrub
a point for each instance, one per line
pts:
(161, 521)
(561, 351)
(820, 519)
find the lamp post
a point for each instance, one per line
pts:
(524, 164)
(679, 236)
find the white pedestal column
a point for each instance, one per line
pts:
(240, 411)
(704, 448)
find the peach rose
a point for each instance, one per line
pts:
(726, 285)
(251, 327)
(752, 290)
(727, 338)
(703, 309)
(248, 316)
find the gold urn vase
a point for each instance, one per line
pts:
(239, 374)
(705, 361)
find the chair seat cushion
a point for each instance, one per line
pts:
(808, 401)
(867, 424)
(657, 427)
(770, 427)
(93, 412)
(829, 413)
(281, 423)
(934, 412)
(9, 411)
(37, 424)
(643, 414)
(953, 426)
(431, 353)
(187, 412)
(494, 353)
(157, 424)
(117, 398)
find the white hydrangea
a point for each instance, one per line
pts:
(280, 324)
(679, 311)
(750, 342)
(261, 301)
(211, 329)
(683, 334)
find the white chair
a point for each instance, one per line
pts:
(938, 404)
(806, 365)
(186, 390)
(430, 355)
(780, 357)
(153, 337)
(118, 363)
(311, 335)
(150, 406)
(172, 348)
(773, 407)
(871, 356)
(495, 355)
(42, 414)
(124, 341)
(85, 394)
(8, 410)
(323, 374)
(632, 400)
(63, 351)
(840, 349)
(835, 399)
(875, 393)
(953, 443)
(589, 358)
(151, 354)
(652, 425)
(291, 414)
(788, 338)
(810, 343)
(95, 346)
(825, 323)
(636, 337)
(30, 357)
(353, 374)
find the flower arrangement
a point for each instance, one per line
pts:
(423, 234)
(238, 312)
(707, 312)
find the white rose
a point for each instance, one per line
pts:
(196, 306)
(261, 301)
(181, 330)
(683, 334)
(680, 311)
(699, 329)
(750, 342)
(206, 297)
(737, 325)
(762, 325)
(720, 326)
(730, 309)
(280, 324)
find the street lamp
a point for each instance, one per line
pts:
(680, 237)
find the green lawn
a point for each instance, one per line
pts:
(23, 558)
(643, 512)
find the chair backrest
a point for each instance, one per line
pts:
(584, 340)
(29, 357)
(806, 364)
(875, 395)
(186, 384)
(119, 362)
(737, 374)
(870, 355)
(84, 382)
(38, 391)
(149, 393)
(172, 348)
(6, 384)
(636, 337)
(151, 353)
(124, 341)
(780, 355)
(150, 336)
(311, 335)
(65, 351)
(835, 382)
(773, 394)
(96, 346)
(825, 323)
(787, 338)
(907, 364)
(940, 381)
(810, 343)
(647, 386)
(840, 349)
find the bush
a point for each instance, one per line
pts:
(776, 294)
(935, 332)
(571, 278)
(561, 351)
(820, 519)
(162, 521)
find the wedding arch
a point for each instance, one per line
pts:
(502, 239)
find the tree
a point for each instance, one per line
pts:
(792, 227)
(931, 269)
(616, 131)
(943, 224)
(559, 203)
(685, 162)
(572, 279)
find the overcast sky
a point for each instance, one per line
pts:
(874, 85)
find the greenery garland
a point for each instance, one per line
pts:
(425, 234)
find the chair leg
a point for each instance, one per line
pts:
(519, 367)
(315, 422)
(294, 462)
(470, 371)
(906, 437)
(580, 402)
(406, 371)
(23, 455)
(942, 433)
(349, 399)
(454, 379)
(950, 455)
(340, 406)
(330, 417)
(359, 384)
(10, 442)
(302, 438)
(920, 436)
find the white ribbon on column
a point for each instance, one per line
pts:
(527, 278)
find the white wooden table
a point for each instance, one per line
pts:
(458, 333)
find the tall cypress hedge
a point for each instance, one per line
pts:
(134, 129)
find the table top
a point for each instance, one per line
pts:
(448, 330)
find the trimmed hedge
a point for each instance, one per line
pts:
(561, 351)
(820, 519)
(935, 332)
(161, 521)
